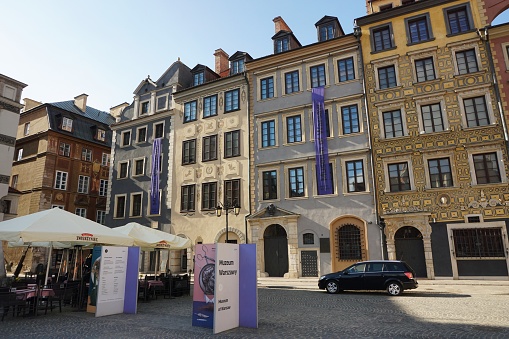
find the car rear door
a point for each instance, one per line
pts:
(374, 278)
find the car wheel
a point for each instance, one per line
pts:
(394, 288)
(332, 287)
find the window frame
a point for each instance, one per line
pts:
(190, 111)
(261, 133)
(383, 125)
(456, 8)
(190, 161)
(105, 161)
(468, 69)
(136, 161)
(198, 78)
(281, 45)
(132, 196)
(342, 118)
(143, 104)
(83, 184)
(138, 129)
(209, 204)
(230, 98)
(291, 72)
(354, 71)
(501, 168)
(429, 102)
(429, 29)
(123, 138)
(229, 138)
(320, 82)
(116, 206)
(209, 148)
(215, 110)
(166, 102)
(289, 171)
(81, 211)
(86, 154)
(297, 131)
(26, 128)
(379, 28)
(154, 129)
(458, 48)
(487, 104)
(61, 184)
(232, 194)
(418, 79)
(356, 175)
(103, 187)
(267, 88)
(100, 217)
(67, 124)
(119, 169)
(439, 155)
(149, 203)
(273, 190)
(441, 174)
(64, 149)
(188, 205)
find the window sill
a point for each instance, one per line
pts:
(448, 35)
(384, 50)
(420, 42)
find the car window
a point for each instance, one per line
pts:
(393, 266)
(375, 267)
(357, 268)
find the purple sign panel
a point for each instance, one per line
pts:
(154, 189)
(323, 174)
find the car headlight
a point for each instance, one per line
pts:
(322, 277)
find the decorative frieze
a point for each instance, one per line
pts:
(7, 140)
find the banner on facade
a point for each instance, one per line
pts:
(323, 174)
(154, 184)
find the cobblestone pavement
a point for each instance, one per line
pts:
(433, 310)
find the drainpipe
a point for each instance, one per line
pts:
(358, 34)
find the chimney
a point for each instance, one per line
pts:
(280, 25)
(222, 63)
(29, 104)
(81, 102)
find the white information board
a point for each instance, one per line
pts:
(111, 280)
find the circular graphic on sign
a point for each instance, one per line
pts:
(207, 279)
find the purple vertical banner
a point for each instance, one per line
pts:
(154, 183)
(323, 175)
(248, 286)
(131, 280)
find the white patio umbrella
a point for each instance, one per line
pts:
(151, 239)
(58, 225)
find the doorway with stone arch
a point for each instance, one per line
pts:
(275, 250)
(410, 248)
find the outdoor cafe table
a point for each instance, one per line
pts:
(149, 286)
(30, 293)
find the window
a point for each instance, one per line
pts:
(144, 107)
(232, 144)
(83, 183)
(293, 129)
(120, 206)
(237, 66)
(135, 205)
(159, 130)
(210, 106)
(86, 154)
(382, 38)
(123, 169)
(7, 207)
(466, 61)
(478, 243)
(399, 179)
(281, 45)
(440, 174)
(61, 180)
(198, 79)
(331, 179)
(424, 69)
(189, 152)
(67, 124)
(105, 161)
(296, 182)
(82, 212)
(187, 198)
(269, 185)
(267, 88)
(268, 133)
(387, 77)
(393, 124)
(326, 32)
(101, 134)
(14, 181)
(486, 168)
(141, 134)
(231, 99)
(65, 149)
(350, 119)
(209, 148)
(346, 69)
(355, 176)
(349, 243)
(101, 217)
(161, 102)
(190, 111)
(308, 238)
(385, 7)
(292, 82)
(418, 29)
(327, 123)
(103, 187)
(209, 194)
(232, 192)
(20, 154)
(318, 76)
(126, 138)
(432, 118)
(476, 112)
(458, 19)
(26, 130)
(139, 167)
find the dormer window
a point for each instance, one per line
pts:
(281, 45)
(198, 79)
(144, 107)
(326, 32)
(67, 124)
(101, 134)
(237, 66)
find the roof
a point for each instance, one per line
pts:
(90, 112)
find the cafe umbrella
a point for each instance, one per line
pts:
(57, 225)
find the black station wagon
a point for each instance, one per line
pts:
(391, 275)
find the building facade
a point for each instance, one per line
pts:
(312, 203)
(211, 152)
(133, 156)
(438, 136)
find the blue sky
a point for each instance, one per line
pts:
(63, 48)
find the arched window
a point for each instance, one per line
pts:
(349, 240)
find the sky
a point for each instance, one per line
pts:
(105, 48)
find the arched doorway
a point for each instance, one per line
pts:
(275, 250)
(410, 248)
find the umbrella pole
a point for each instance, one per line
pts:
(155, 271)
(49, 263)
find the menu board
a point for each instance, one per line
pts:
(111, 280)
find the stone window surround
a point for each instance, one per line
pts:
(344, 177)
(395, 160)
(483, 150)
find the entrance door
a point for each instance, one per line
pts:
(275, 251)
(410, 248)
(309, 263)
